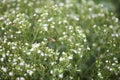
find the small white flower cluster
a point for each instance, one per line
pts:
(51, 39)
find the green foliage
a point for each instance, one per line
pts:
(111, 5)
(58, 40)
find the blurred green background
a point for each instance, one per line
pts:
(112, 5)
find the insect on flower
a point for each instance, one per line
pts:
(52, 40)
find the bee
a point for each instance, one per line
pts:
(52, 40)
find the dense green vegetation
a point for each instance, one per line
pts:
(112, 5)
(58, 40)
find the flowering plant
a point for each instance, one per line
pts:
(58, 40)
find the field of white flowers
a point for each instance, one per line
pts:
(58, 40)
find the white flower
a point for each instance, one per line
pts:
(106, 61)
(26, 44)
(64, 21)
(39, 51)
(42, 54)
(39, 20)
(1, 59)
(32, 49)
(4, 69)
(60, 75)
(70, 57)
(114, 58)
(88, 48)
(10, 73)
(61, 4)
(46, 28)
(52, 63)
(18, 32)
(11, 36)
(13, 47)
(99, 74)
(2, 28)
(52, 26)
(14, 63)
(50, 19)
(1, 50)
(3, 55)
(119, 67)
(75, 51)
(22, 63)
(19, 58)
(116, 61)
(35, 45)
(110, 69)
(28, 53)
(25, 74)
(111, 26)
(34, 14)
(45, 25)
(27, 65)
(79, 49)
(61, 59)
(81, 56)
(1, 18)
(71, 77)
(51, 72)
(113, 64)
(85, 40)
(59, 22)
(20, 78)
(14, 60)
(30, 72)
